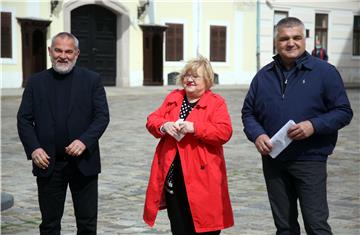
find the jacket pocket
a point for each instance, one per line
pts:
(202, 157)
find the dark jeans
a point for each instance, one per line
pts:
(178, 207)
(290, 181)
(52, 194)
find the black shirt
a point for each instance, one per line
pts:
(61, 85)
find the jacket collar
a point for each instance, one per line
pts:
(203, 102)
(179, 95)
(305, 61)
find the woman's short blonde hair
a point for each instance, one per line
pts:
(192, 67)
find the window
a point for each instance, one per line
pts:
(6, 35)
(174, 42)
(356, 36)
(278, 15)
(321, 29)
(218, 43)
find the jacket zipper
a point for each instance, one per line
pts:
(285, 83)
(282, 79)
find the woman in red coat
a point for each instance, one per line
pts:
(188, 173)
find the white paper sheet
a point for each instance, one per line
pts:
(281, 140)
(179, 135)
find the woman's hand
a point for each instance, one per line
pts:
(171, 128)
(186, 127)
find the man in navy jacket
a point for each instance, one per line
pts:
(299, 87)
(62, 115)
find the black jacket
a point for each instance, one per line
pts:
(87, 119)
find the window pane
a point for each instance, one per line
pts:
(321, 29)
(321, 21)
(6, 35)
(174, 42)
(356, 36)
(218, 43)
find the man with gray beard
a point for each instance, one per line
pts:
(62, 115)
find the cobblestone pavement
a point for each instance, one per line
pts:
(127, 151)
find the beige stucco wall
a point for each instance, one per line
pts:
(196, 15)
(129, 52)
(11, 68)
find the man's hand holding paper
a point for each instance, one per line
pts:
(300, 131)
(281, 139)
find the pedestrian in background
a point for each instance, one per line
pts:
(296, 86)
(319, 51)
(188, 173)
(62, 115)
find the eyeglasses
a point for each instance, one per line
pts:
(192, 76)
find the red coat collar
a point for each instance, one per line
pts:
(179, 94)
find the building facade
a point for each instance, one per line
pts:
(131, 43)
(336, 24)
(139, 42)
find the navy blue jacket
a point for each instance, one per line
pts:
(88, 117)
(316, 93)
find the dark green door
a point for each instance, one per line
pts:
(95, 27)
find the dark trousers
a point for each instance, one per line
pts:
(290, 181)
(178, 207)
(52, 194)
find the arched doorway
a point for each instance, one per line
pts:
(95, 27)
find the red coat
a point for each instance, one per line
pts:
(202, 161)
